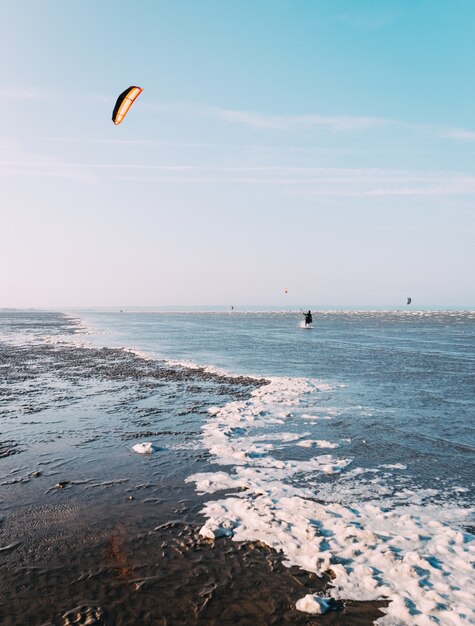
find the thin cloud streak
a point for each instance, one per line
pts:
(337, 191)
(161, 142)
(460, 134)
(300, 122)
(355, 173)
(346, 182)
(19, 93)
(258, 147)
(133, 142)
(53, 173)
(334, 123)
(265, 121)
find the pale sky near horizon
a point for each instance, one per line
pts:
(326, 147)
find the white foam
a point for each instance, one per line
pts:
(209, 369)
(282, 437)
(309, 416)
(379, 545)
(146, 447)
(313, 604)
(403, 554)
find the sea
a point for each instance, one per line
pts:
(347, 448)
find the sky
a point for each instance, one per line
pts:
(324, 147)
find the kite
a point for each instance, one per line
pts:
(124, 102)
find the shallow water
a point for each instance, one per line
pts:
(357, 458)
(402, 382)
(354, 459)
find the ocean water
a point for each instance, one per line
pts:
(356, 456)
(399, 387)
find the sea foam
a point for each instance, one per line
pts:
(385, 547)
(145, 448)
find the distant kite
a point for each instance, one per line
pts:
(409, 300)
(124, 102)
(286, 290)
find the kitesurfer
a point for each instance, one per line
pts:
(308, 318)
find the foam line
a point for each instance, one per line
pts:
(392, 546)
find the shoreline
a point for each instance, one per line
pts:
(75, 532)
(73, 491)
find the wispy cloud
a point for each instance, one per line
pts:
(339, 182)
(292, 123)
(145, 142)
(337, 123)
(459, 134)
(265, 121)
(13, 150)
(299, 122)
(17, 160)
(18, 93)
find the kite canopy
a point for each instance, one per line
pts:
(409, 300)
(124, 102)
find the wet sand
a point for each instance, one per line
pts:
(123, 567)
(91, 533)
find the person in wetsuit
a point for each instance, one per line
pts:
(308, 318)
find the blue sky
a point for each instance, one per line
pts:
(326, 147)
